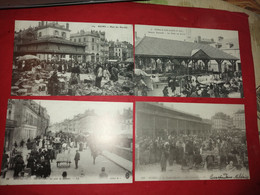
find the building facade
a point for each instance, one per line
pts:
(53, 29)
(49, 41)
(155, 119)
(79, 124)
(221, 122)
(25, 119)
(239, 120)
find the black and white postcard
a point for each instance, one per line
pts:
(187, 141)
(67, 142)
(68, 58)
(187, 62)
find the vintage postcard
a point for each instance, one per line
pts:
(187, 62)
(67, 58)
(187, 141)
(67, 142)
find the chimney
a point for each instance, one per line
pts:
(220, 38)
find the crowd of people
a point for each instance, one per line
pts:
(206, 86)
(41, 153)
(215, 151)
(61, 77)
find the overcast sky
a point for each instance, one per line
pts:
(61, 110)
(122, 32)
(182, 34)
(206, 111)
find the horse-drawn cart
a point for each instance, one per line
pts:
(64, 159)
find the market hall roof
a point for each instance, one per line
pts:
(51, 40)
(49, 45)
(159, 47)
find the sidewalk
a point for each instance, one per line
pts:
(125, 164)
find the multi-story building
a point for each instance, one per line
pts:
(221, 122)
(94, 42)
(120, 51)
(127, 120)
(79, 124)
(239, 120)
(52, 29)
(10, 125)
(49, 41)
(25, 119)
(230, 46)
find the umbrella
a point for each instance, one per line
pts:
(28, 57)
(130, 60)
(140, 72)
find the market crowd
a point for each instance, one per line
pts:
(190, 86)
(42, 152)
(222, 151)
(52, 76)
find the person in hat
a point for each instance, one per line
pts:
(77, 158)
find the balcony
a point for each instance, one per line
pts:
(11, 123)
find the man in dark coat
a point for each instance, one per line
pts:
(19, 165)
(77, 158)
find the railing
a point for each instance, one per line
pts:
(125, 153)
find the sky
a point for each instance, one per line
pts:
(61, 110)
(206, 111)
(122, 32)
(182, 34)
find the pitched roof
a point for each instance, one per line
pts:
(225, 43)
(151, 46)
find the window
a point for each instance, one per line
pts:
(93, 47)
(74, 40)
(56, 33)
(40, 34)
(79, 39)
(63, 34)
(93, 40)
(84, 39)
(9, 114)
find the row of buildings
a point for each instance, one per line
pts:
(51, 40)
(25, 119)
(156, 119)
(224, 122)
(89, 122)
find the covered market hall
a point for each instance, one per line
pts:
(158, 55)
(156, 120)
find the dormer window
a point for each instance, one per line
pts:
(56, 33)
(63, 34)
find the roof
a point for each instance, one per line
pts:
(178, 114)
(52, 40)
(240, 112)
(151, 46)
(229, 44)
(53, 25)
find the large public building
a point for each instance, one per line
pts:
(155, 119)
(54, 41)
